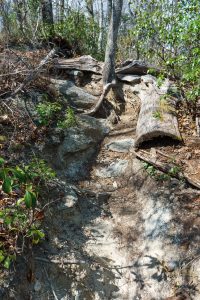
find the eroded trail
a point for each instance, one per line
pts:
(120, 234)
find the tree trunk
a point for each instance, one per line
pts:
(62, 10)
(47, 12)
(100, 40)
(109, 65)
(89, 6)
(109, 10)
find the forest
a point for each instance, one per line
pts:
(99, 149)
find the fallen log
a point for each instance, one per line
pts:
(157, 116)
(83, 63)
(136, 67)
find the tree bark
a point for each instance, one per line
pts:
(47, 12)
(100, 40)
(109, 65)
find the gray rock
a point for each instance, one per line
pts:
(129, 78)
(79, 147)
(115, 169)
(148, 79)
(120, 145)
(37, 286)
(69, 200)
(74, 95)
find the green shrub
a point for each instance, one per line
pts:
(20, 198)
(47, 111)
(69, 121)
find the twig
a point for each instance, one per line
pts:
(56, 298)
(165, 168)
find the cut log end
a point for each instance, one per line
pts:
(151, 135)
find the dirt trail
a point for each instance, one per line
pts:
(128, 236)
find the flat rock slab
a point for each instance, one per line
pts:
(129, 78)
(120, 145)
(115, 169)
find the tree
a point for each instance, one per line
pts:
(109, 77)
(47, 12)
(109, 64)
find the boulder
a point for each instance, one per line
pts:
(74, 95)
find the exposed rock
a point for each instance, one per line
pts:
(79, 146)
(74, 95)
(120, 145)
(37, 286)
(129, 78)
(69, 200)
(115, 169)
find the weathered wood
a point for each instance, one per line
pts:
(157, 115)
(133, 67)
(83, 63)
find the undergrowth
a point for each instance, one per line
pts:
(20, 210)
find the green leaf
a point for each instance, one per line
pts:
(30, 199)
(19, 174)
(2, 257)
(7, 262)
(2, 161)
(7, 185)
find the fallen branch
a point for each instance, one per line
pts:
(33, 74)
(165, 168)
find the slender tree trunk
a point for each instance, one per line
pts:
(89, 6)
(47, 12)
(62, 10)
(109, 65)
(109, 10)
(100, 40)
(109, 77)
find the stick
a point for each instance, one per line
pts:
(166, 169)
(52, 289)
(33, 74)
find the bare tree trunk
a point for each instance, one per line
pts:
(109, 65)
(47, 12)
(109, 10)
(89, 6)
(62, 10)
(100, 40)
(109, 77)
